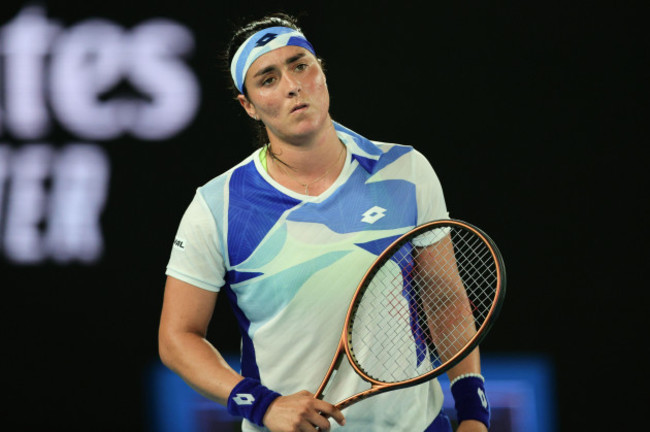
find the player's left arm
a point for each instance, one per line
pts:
(448, 307)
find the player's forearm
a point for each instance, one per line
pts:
(193, 358)
(451, 325)
(469, 365)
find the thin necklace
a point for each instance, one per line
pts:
(283, 164)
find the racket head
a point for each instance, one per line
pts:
(411, 288)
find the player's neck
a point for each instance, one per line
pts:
(310, 167)
(308, 156)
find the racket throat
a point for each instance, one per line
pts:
(329, 378)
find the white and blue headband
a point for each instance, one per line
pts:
(259, 44)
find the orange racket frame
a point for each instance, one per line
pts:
(376, 386)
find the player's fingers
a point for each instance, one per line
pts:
(318, 422)
(329, 410)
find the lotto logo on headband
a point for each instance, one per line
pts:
(259, 44)
(266, 39)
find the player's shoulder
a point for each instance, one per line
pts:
(407, 158)
(402, 150)
(387, 147)
(384, 145)
(218, 181)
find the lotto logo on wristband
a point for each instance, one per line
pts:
(245, 399)
(250, 399)
(471, 402)
(481, 395)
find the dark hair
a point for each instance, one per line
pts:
(278, 19)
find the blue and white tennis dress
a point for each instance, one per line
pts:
(290, 263)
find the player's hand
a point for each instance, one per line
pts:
(301, 412)
(471, 426)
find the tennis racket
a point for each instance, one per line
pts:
(425, 303)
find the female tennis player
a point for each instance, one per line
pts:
(286, 235)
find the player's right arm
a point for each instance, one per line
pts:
(182, 342)
(184, 349)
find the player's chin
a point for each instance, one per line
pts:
(305, 128)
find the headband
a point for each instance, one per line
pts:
(259, 44)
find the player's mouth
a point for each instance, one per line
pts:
(299, 107)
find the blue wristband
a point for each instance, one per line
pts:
(250, 399)
(470, 400)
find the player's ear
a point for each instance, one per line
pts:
(248, 106)
(322, 68)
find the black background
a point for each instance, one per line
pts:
(533, 115)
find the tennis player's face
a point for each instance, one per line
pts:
(287, 91)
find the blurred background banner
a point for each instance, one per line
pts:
(521, 391)
(92, 81)
(533, 115)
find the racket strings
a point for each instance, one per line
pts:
(423, 305)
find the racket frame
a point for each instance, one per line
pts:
(344, 350)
